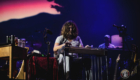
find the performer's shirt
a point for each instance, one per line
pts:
(75, 42)
(103, 45)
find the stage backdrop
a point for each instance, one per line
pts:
(94, 19)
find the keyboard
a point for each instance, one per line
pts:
(81, 50)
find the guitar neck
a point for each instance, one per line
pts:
(115, 72)
(118, 58)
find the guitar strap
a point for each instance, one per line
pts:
(63, 40)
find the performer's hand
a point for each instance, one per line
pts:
(67, 44)
(86, 46)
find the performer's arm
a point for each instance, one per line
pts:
(81, 43)
(57, 46)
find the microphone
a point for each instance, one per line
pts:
(114, 25)
(48, 31)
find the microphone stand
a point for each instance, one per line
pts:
(47, 31)
(48, 48)
(48, 55)
(122, 33)
(47, 42)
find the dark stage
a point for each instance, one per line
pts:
(39, 22)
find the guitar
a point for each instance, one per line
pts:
(115, 72)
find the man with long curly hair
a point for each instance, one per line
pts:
(69, 34)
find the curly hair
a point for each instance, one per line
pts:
(65, 30)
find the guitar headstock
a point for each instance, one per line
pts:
(118, 58)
